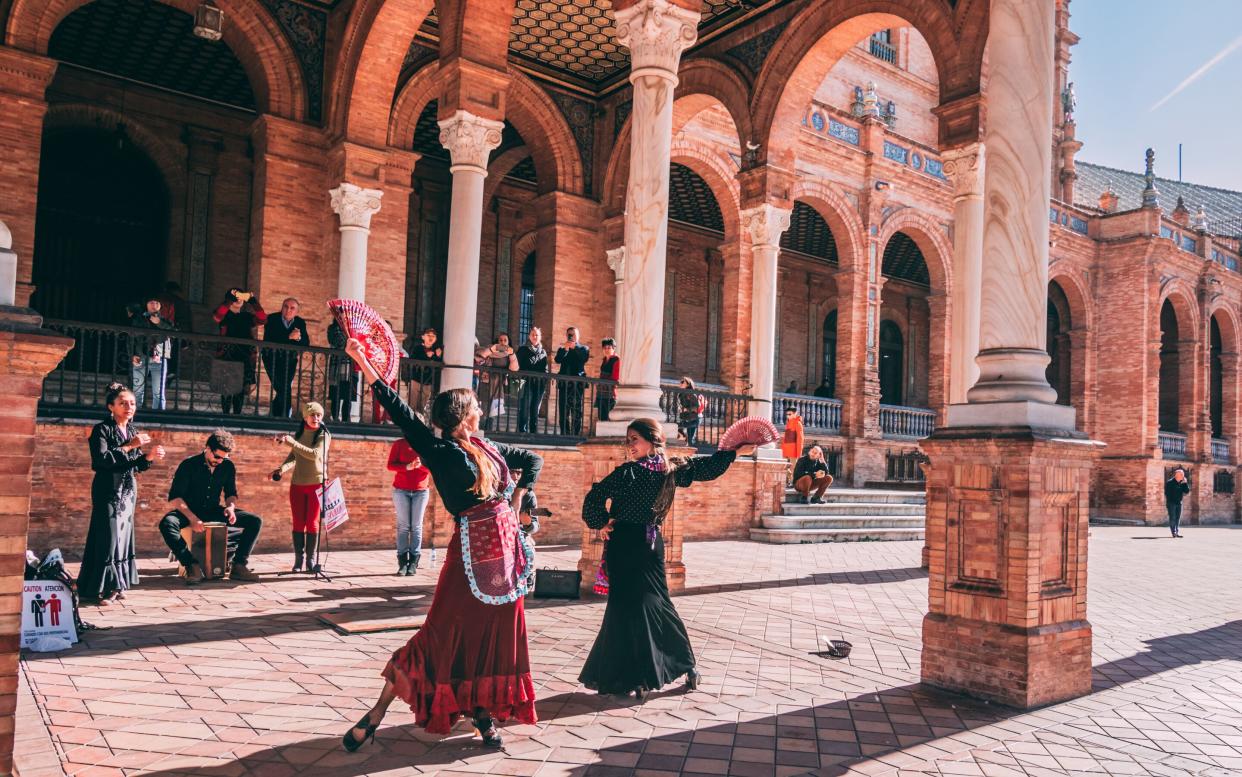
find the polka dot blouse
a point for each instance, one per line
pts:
(629, 493)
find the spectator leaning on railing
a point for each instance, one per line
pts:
(531, 357)
(572, 356)
(149, 354)
(239, 317)
(282, 365)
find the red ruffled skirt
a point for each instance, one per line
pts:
(467, 655)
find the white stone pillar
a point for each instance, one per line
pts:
(1012, 389)
(355, 206)
(469, 140)
(656, 32)
(764, 224)
(965, 168)
(616, 263)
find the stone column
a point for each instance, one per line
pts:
(656, 32)
(764, 224)
(27, 354)
(1008, 492)
(616, 263)
(355, 206)
(1012, 387)
(470, 140)
(965, 168)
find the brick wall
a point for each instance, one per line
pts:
(60, 497)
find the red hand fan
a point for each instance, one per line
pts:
(359, 321)
(752, 430)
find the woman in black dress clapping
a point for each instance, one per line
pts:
(642, 644)
(118, 450)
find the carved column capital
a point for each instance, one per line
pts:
(964, 168)
(616, 262)
(656, 32)
(470, 139)
(765, 224)
(355, 205)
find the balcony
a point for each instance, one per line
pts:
(883, 50)
(909, 423)
(1220, 451)
(820, 415)
(1173, 446)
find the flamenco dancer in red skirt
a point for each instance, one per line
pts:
(470, 657)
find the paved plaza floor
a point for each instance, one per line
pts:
(227, 679)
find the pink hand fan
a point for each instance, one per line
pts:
(359, 321)
(751, 430)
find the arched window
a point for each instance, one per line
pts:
(828, 380)
(1170, 372)
(526, 303)
(1215, 405)
(892, 363)
(1058, 372)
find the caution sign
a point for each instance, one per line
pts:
(47, 610)
(334, 512)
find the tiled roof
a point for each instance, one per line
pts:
(1222, 206)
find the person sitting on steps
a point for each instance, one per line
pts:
(195, 498)
(811, 473)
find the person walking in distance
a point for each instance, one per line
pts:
(1175, 488)
(410, 492)
(811, 474)
(572, 356)
(531, 357)
(281, 364)
(610, 370)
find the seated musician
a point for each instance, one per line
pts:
(195, 498)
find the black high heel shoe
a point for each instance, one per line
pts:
(692, 680)
(351, 744)
(641, 694)
(486, 729)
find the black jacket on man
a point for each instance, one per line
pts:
(1174, 491)
(275, 331)
(532, 359)
(573, 360)
(808, 466)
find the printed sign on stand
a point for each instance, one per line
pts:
(334, 512)
(47, 611)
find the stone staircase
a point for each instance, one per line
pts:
(847, 515)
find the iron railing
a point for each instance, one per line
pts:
(904, 466)
(819, 414)
(211, 379)
(883, 50)
(913, 423)
(721, 409)
(1220, 451)
(1173, 445)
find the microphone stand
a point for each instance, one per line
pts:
(316, 569)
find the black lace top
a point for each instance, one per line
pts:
(634, 486)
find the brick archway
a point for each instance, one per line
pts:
(716, 171)
(170, 162)
(820, 35)
(531, 111)
(841, 215)
(364, 74)
(251, 32)
(931, 239)
(1080, 335)
(711, 78)
(1177, 361)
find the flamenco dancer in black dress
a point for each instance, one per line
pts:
(109, 567)
(642, 644)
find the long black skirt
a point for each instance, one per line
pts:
(109, 562)
(642, 642)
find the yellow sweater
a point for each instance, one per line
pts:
(305, 461)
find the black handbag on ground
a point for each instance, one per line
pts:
(557, 583)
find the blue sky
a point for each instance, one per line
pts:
(1133, 54)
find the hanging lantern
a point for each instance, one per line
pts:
(208, 21)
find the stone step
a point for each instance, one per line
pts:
(854, 508)
(843, 522)
(867, 496)
(806, 536)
